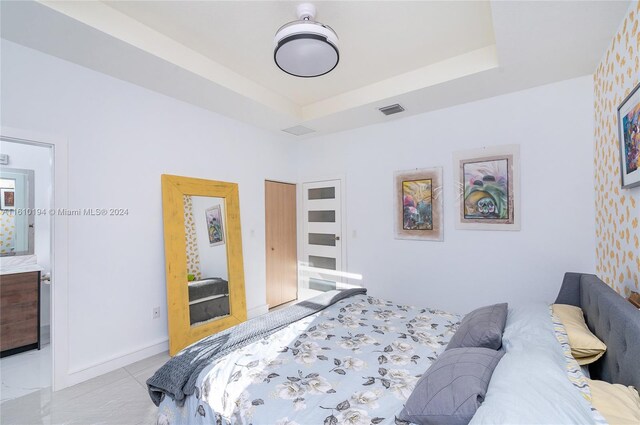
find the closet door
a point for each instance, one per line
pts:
(282, 257)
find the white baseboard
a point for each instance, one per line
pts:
(85, 372)
(258, 311)
(88, 371)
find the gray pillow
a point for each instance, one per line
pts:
(452, 389)
(481, 328)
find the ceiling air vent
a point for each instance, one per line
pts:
(298, 130)
(391, 109)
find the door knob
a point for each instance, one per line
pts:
(337, 238)
(273, 249)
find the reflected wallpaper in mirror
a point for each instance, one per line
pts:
(207, 273)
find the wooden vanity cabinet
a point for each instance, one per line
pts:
(19, 312)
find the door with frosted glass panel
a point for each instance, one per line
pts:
(322, 243)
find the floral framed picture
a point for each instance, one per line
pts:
(7, 199)
(215, 225)
(629, 139)
(418, 204)
(488, 184)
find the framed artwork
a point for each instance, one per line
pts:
(418, 204)
(629, 139)
(215, 225)
(7, 199)
(488, 183)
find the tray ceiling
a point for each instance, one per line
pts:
(425, 55)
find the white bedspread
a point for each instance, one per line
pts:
(530, 384)
(354, 363)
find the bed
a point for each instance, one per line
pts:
(208, 299)
(614, 320)
(355, 360)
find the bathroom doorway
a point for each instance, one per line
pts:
(26, 262)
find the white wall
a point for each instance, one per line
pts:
(553, 125)
(213, 259)
(121, 138)
(38, 159)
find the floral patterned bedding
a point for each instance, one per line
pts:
(354, 363)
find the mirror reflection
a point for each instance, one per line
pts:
(207, 272)
(16, 212)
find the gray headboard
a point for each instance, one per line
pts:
(612, 319)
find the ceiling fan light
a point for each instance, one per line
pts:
(306, 55)
(306, 48)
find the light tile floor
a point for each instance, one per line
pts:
(116, 398)
(25, 373)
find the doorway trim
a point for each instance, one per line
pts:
(59, 248)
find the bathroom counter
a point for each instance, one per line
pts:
(19, 309)
(26, 268)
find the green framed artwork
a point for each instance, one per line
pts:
(215, 225)
(489, 188)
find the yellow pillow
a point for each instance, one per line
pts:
(617, 403)
(586, 348)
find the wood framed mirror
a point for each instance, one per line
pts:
(203, 256)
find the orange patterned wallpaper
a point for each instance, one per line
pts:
(617, 210)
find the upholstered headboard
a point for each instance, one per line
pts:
(612, 319)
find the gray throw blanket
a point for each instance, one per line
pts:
(177, 378)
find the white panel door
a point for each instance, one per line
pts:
(321, 266)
